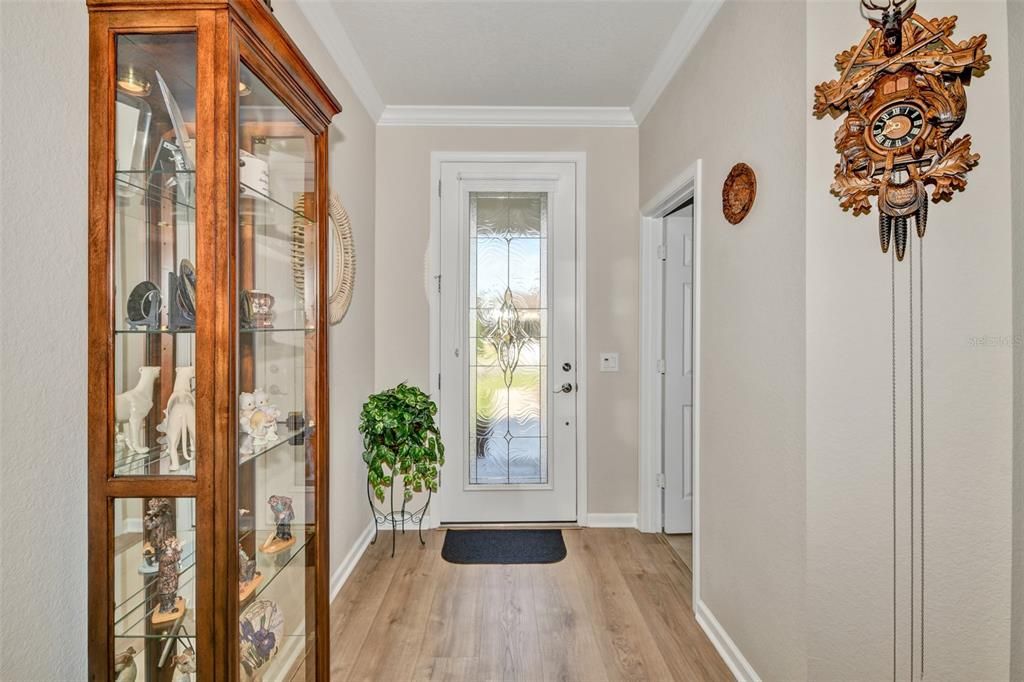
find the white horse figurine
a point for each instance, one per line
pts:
(133, 407)
(179, 422)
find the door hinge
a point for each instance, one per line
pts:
(659, 480)
(438, 283)
(662, 252)
(439, 381)
(438, 188)
(661, 366)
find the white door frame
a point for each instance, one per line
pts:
(433, 272)
(683, 188)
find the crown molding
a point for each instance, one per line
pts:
(328, 27)
(691, 27)
(508, 117)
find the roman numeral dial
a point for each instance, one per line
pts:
(897, 126)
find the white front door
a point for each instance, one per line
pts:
(507, 324)
(678, 415)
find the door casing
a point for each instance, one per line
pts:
(431, 285)
(684, 187)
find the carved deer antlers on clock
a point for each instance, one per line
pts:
(902, 89)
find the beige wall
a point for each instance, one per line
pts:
(968, 386)
(739, 98)
(353, 158)
(44, 124)
(1015, 10)
(402, 321)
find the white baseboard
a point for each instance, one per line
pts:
(727, 649)
(611, 520)
(347, 564)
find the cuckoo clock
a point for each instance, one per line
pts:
(902, 89)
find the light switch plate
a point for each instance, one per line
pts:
(609, 362)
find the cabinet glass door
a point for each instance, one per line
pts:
(276, 375)
(154, 255)
(154, 244)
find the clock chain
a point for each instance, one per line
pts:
(916, 438)
(910, 366)
(892, 292)
(920, 355)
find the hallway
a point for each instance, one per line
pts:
(617, 608)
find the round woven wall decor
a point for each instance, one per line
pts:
(343, 272)
(738, 193)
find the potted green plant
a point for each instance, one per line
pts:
(402, 443)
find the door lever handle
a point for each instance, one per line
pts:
(564, 388)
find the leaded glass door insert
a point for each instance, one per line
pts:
(506, 343)
(508, 318)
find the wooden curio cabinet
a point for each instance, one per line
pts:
(208, 419)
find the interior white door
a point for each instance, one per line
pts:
(678, 344)
(508, 386)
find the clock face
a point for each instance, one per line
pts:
(897, 126)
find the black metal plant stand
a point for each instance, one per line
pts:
(397, 518)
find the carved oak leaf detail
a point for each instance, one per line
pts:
(844, 58)
(949, 173)
(821, 101)
(942, 25)
(854, 192)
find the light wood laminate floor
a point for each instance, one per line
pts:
(616, 608)
(682, 544)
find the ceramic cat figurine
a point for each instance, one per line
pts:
(246, 407)
(184, 666)
(125, 669)
(265, 416)
(133, 406)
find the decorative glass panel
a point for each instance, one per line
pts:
(508, 334)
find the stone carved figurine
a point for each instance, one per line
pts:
(157, 525)
(167, 581)
(246, 567)
(282, 538)
(248, 577)
(133, 406)
(283, 516)
(179, 424)
(125, 669)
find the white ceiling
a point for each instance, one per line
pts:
(555, 53)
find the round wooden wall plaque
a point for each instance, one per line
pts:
(738, 193)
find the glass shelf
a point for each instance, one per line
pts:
(139, 463)
(253, 330)
(155, 187)
(253, 193)
(273, 565)
(283, 439)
